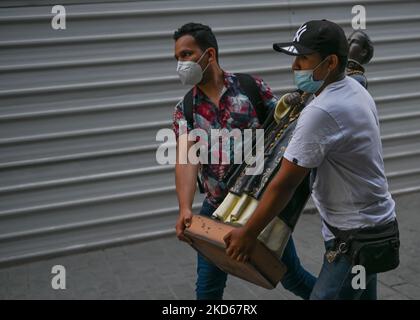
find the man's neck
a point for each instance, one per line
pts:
(215, 82)
(333, 79)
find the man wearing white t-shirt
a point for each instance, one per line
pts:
(338, 135)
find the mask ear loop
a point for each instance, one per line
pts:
(317, 68)
(201, 58)
(320, 63)
(208, 64)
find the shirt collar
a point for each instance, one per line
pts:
(228, 81)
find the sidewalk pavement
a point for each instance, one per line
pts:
(165, 268)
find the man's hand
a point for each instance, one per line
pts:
(184, 221)
(239, 244)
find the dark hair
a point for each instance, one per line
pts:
(342, 61)
(201, 33)
(363, 39)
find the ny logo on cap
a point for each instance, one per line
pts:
(301, 30)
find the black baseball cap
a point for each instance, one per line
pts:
(322, 36)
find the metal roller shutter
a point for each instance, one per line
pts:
(80, 108)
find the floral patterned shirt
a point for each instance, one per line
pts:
(235, 110)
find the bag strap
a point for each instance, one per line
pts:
(339, 234)
(248, 84)
(188, 108)
(371, 233)
(188, 104)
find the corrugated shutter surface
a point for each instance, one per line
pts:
(80, 108)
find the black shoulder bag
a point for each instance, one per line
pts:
(375, 248)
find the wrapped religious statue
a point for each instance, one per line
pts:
(360, 53)
(264, 267)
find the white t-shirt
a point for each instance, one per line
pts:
(338, 133)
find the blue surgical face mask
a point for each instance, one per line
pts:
(304, 79)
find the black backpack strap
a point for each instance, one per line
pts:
(188, 108)
(247, 83)
(188, 114)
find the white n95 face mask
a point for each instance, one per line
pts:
(190, 72)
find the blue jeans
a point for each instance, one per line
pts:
(211, 281)
(334, 281)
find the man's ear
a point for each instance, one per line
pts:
(212, 55)
(333, 63)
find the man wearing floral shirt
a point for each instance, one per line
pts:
(234, 111)
(218, 102)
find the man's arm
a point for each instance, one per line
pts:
(315, 134)
(185, 182)
(280, 190)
